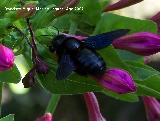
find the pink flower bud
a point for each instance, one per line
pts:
(6, 58)
(156, 18)
(29, 79)
(152, 107)
(121, 4)
(45, 117)
(142, 43)
(117, 80)
(41, 66)
(93, 107)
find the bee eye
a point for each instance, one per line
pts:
(51, 49)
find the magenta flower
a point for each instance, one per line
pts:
(6, 58)
(93, 107)
(45, 117)
(156, 19)
(142, 43)
(117, 80)
(152, 107)
(121, 4)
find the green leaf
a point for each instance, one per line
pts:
(124, 97)
(75, 84)
(43, 17)
(10, 117)
(44, 3)
(7, 4)
(141, 70)
(113, 60)
(10, 76)
(148, 88)
(128, 56)
(4, 23)
(110, 22)
(104, 3)
(45, 35)
(148, 79)
(63, 22)
(91, 11)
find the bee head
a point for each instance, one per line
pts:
(57, 42)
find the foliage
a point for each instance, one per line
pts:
(8, 118)
(91, 21)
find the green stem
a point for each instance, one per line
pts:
(73, 27)
(53, 103)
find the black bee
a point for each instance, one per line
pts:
(80, 55)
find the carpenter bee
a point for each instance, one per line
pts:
(80, 56)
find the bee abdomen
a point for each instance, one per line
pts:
(90, 62)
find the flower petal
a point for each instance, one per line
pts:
(45, 117)
(152, 107)
(142, 43)
(6, 58)
(117, 80)
(93, 107)
(156, 18)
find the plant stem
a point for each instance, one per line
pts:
(32, 34)
(53, 103)
(33, 42)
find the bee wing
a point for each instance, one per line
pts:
(65, 68)
(103, 40)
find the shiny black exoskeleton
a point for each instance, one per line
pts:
(80, 55)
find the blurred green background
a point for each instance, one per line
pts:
(27, 107)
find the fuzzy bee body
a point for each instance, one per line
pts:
(89, 62)
(80, 55)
